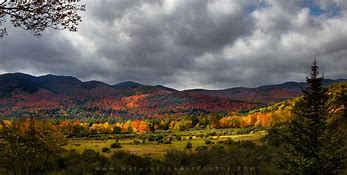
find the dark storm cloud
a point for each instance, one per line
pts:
(189, 44)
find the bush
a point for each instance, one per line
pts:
(121, 158)
(220, 142)
(247, 144)
(190, 137)
(245, 130)
(159, 138)
(116, 145)
(136, 142)
(151, 138)
(217, 147)
(189, 145)
(178, 138)
(160, 141)
(105, 150)
(212, 133)
(228, 141)
(201, 148)
(209, 142)
(77, 163)
(166, 142)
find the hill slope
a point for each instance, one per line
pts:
(66, 96)
(267, 94)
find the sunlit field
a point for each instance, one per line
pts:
(154, 149)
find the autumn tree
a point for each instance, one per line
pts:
(37, 15)
(214, 121)
(27, 146)
(230, 122)
(183, 125)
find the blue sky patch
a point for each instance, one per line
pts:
(315, 10)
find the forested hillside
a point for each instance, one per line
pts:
(52, 96)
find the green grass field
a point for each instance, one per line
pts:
(153, 149)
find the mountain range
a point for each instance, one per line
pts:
(68, 97)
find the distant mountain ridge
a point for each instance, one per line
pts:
(126, 85)
(263, 94)
(66, 96)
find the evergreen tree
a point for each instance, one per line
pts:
(308, 126)
(311, 142)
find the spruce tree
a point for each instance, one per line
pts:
(314, 143)
(307, 128)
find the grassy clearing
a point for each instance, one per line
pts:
(153, 149)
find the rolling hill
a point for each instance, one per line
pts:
(267, 94)
(68, 97)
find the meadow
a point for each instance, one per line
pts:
(143, 146)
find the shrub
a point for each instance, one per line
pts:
(209, 142)
(189, 145)
(160, 141)
(166, 142)
(212, 133)
(201, 148)
(126, 159)
(220, 141)
(151, 138)
(116, 145)
(159, 137)
(136, 142)
(247, 144)
(105, 150)
(190, 137)
(178, 138)
(217, 147)
(228, 141)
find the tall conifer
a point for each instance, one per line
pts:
(315, 143)
(307, 128)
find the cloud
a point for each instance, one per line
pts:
(189, 44)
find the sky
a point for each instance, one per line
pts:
(187, 44)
